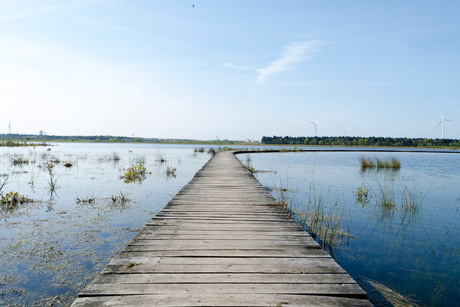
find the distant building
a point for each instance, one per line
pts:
(41, 132)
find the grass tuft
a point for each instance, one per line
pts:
(387, 163)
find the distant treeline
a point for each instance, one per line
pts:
(98, 138)
(360, 141)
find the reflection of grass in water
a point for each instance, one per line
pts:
(387, 204)
(323, 224)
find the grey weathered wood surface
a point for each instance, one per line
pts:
(221, 241)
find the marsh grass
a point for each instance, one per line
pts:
(387, 163)
(11, 143)
(398, 201)
(322, 222)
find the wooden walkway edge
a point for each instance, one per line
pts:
(222, 241)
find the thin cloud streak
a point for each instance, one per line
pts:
(237, 67)
(292, 55)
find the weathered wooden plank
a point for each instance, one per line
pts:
(220, 236)
(235, 299)
(335, 289)
(224, 278)
(221, 244)
(291, 252)
(239, 265)
(217, 300)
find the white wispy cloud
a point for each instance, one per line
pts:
(237, 67)
(292, 55)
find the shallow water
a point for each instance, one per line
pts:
(52, 248)
(417, 254)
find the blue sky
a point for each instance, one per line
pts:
(230, 69)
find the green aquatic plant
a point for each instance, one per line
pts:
(52, 181)
(11, 200)
(171, 171)
(121, 199)
(362, 195)
(211, 151)
(135, 173)
(250, 168)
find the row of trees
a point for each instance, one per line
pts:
(360, 141)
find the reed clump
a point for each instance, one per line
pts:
(387, 163)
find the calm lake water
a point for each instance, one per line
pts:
(416, 253)
(52, 248)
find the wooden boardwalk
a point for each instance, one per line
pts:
(221, 241)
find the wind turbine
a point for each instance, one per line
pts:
(314, 123)
(346, 130)
(443, 120)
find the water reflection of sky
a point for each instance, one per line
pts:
(415, 254)
(65, 242)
